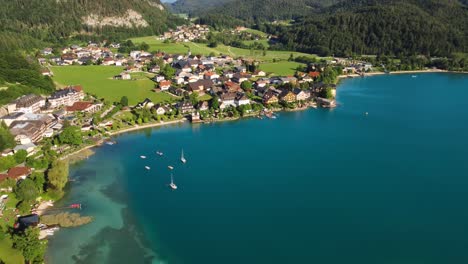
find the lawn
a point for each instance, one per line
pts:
(98, 80)
(280, 68)
(200, 48)
(9, 255)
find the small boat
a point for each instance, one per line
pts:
(170, 167)
(143, 157)
(172, 184)
(110, 143)
(273, 116)
(159, 153)
(147, 167)
(182, 158)
(414, 76)
(367, 113)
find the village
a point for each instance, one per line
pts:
(204, 89)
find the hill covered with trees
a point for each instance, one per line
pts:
(54, 20)
(393, 27)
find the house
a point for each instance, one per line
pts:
(177, 91)
(8, 119)
(123, 76)
(27, 221)
(195, 117)
(185, 107)
(200, 86)
(147, 103)
(259, 73)
(242, 99)
(161, 109)
(228, 99)
(47, 51)
(289, 79)
(323, 102)
(301, 95)
(314, 74)
(269, 98)
(287, 96)
(30, 103)
(27, 131)
(18, 173)
(155, 69)
(30, 148)
(240, 69)
(203, 106)
(232, 86)
(66, 97)
(165, 85)
(47, 72)
(239, 78)
(211, 75)
(87, 107)
(159, 78)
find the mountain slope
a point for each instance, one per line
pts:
(195, 7)
(382, 27)
(56, 19)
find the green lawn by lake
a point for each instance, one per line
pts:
(9, 255)
(200, 48)
(281, 67)
(98, 80)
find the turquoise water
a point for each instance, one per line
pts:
(319, 186)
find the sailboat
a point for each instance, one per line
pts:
(182, 158)
(172, 184)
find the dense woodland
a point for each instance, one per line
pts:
(51, 20)
(391, 27)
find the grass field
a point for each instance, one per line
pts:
(280, 68)
(9, 255)
(200, 48)
(98, 80)
(264, 42)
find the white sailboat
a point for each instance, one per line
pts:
(182, 158)
(148, 167)
(172, 184)
(143, 157)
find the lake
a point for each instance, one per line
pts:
(319, 186)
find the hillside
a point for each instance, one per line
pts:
(195, 7)
(393, 27)
(53, 20)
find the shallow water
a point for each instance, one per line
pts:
(319, 186)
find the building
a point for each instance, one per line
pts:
(203, 106)
(27, 131)
(242, 99)
(270, 98)
(287, 96)
(301, 95)
(30, 103)
(66, 97)
(8, 119)
(228, 99)
(185, 107)
(200, 86)
(87, 107)
(165, 85)
(123, 76)
(147, 103)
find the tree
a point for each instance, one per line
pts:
(20, 156)
(29, 244)
(71, 135)
(57, 175)
(246, 86)
(6, 138)
(144, 46)
(214, 102)
(168, 72)
(193, 98)
(124, 101)
(26, 190)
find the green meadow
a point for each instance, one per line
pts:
(280, 68)
(201, 48)
(98, 80)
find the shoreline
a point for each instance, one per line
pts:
(370, 74)
(183, 120)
